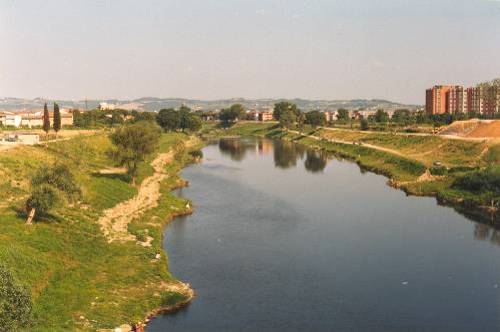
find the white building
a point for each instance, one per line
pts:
(106, 107)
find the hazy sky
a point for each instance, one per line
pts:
(318, 49)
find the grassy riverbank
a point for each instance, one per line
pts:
(77, 279)
(419, 165)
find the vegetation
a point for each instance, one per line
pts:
(46, 119)
(15, 303)
(315, 119)
(48, 184)
(77, 280)
(182, 119)
(133, 144)
(229, 116)
(57, 119)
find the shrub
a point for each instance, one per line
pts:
(15, 303)
(42, 200)
(438, 170)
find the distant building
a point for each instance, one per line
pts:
(33, 118)
(265, 116)
(455, 99)
(106, 107)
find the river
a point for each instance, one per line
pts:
(290, 239)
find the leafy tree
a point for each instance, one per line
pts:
(315, 118)
(284, 106)
(50, 183)
(193, 122)
(402, 116)
(287, 118)
(364, 124)
(301, 120)
(15, 303)
(46, 120)
(232, 114)
(381, 116)
(169, 119)
(56, 125)
(58, 176)
(342, 114)
(133, 144)
(41, 201)
(143, 116)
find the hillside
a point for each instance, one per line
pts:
(154, 104)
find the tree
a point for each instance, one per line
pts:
(184, 113)
(58, 176)
(381, 116)
(193, 122)
(342, 114)
(41, 201)
(402, 116)
(56, 125)
(46, 120)
(301, 119)
(15, 303)
(364, 124)
(169, 119)
(133, 144)
(50, 183)
(282, 107)
(315, 118)
(232, 114)
(287, 118)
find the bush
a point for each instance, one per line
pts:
(438, 170)
(42, 200)
(482, 182)
(58, 176)
(15, 303)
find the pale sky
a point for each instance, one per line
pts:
(210, 49)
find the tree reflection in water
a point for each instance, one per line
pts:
(315, 161)
(485, 232)
(287, 153)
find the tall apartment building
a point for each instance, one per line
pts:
(456, 99)
(435, 99)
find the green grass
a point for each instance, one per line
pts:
(67, 263)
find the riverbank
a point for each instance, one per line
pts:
(419, 165)
(79, 279)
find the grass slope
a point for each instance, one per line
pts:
(78, 279)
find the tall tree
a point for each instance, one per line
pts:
(284, 106)
(169, 119)
(315, 118)
(46, 121)
(133, 144)
(342, 114)
(56, 125)
(381, 116)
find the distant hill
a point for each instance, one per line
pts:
(154, 104)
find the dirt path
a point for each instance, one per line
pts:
(371, 146)
(114, 222)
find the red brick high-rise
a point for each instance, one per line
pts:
(455, 99)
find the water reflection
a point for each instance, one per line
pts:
(315, 161)
(286, 154)
(485, 232)
(235, 148)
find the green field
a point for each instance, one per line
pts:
(77, 279)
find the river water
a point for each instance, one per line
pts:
(289, 239)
